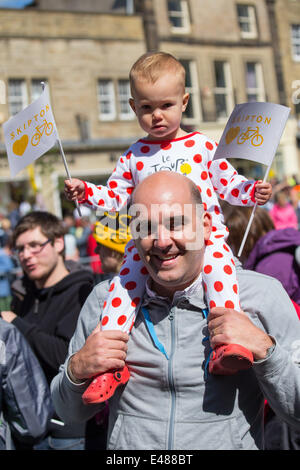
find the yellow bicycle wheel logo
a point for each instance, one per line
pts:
(46, 127)
(251, 134)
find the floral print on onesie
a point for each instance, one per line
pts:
(190, 155)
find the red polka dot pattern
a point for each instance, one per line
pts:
(122, 319)
(209, 145)
(223, 166)
(189, 143)
(116, 302)
(217, 254)
(218, 286)
(166, 146)
(135, 302)
(127, 175)
(235, 192)
(197, 158)
(207, 269)
(130, 285)
(125, 271)
(227, 269)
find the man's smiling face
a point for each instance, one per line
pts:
(169, 223)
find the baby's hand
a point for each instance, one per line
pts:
(263, 192)
(74, 189)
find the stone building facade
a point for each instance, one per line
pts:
(84, 51)
(84, 59)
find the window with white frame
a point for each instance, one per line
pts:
(125, 111)
(36, 88)
(247, 21)
(17, 95)
(255, 89)
(223, 90)
(106, 99)
(179, 17)
(192, 113)
(295, 38)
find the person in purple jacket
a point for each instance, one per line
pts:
(268, 250)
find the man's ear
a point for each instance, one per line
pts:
(207, 225)
(132, 104)
(59, 244)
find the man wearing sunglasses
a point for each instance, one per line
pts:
(47, 301)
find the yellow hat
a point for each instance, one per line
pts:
(113, 231)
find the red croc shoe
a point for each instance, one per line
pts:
(104, 386)
(228, 359)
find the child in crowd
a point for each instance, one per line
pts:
(158, 99)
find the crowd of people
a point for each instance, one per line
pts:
(149, 333)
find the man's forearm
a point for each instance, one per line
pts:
(67, 398)
(263, 347)
(71, 374)
(279, 378)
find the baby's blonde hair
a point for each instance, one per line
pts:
(152, 65)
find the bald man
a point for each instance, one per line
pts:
(171, 401)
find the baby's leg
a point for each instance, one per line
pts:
(125, 292)
(221, 287)
(219, 274)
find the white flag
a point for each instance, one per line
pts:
(30, 133)
(253, 132)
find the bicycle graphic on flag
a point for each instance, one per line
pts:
(46, 127)
(251, 134)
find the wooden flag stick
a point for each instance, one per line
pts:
(251, 217)
(64, 160)
(67, 171)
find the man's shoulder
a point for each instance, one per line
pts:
(101, 289)
(262, 293)
(79, 270)
(259, 280)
